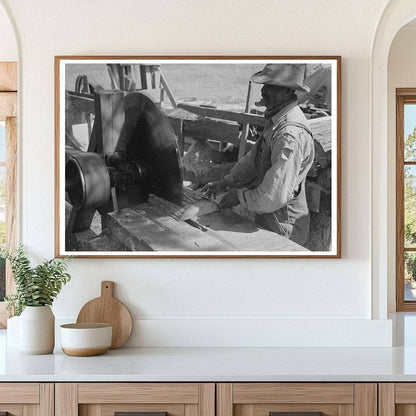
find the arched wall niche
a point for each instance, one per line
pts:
(396, 15)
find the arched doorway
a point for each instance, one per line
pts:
(396, 14)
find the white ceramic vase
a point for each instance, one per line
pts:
(37, 330)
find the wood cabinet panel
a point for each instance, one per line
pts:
(110, 409)
(27, 399)
(251, 393)
(104, 399)
(405, 393)
(386, 399)
(331, 399)
(138, 393)
(19, 393)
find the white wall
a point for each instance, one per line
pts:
(178, 302)
(401, 74)
(8, 47)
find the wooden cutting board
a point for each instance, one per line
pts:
(107, 309)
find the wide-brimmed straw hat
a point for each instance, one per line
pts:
(285, 75)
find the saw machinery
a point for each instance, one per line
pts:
(131, 153)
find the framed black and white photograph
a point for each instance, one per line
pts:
(198, 156)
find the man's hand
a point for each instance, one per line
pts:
(229, 200)
(213, 188)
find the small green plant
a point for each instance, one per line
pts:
(35, 286)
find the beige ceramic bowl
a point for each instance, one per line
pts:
(83, 340)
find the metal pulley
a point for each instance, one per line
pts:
(87, 181)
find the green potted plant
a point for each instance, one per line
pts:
(36, 289)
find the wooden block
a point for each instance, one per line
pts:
(8, 76)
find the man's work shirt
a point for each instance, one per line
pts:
(271, 176)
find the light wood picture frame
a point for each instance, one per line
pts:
(141, 140)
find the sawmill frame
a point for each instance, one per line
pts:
(335, 251)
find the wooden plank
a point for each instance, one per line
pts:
(405, 393)
(386, 399)
(365, 399)
(238, 117)
(208, 129)
(245, 234)
(156, 226)
(224, 399)
(138, 393)
(8, 105)
(27, 393)
(207, 399)
(170, 409)
(8, 76)
(252, 393)
(145, 230)
(66, 399)
(165, 87)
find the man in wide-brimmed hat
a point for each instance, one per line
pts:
(270, 179)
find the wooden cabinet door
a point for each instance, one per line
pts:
(297, 399)
(27, 399)
(397, 399)
(153, 399)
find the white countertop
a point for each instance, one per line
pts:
(213, 364)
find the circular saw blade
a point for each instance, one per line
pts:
(151, 141)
